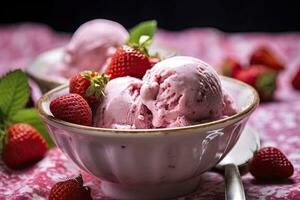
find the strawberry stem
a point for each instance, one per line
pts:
(79, 180)
(97, 85)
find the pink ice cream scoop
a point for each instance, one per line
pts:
(121, 108)
(93, 43)
(181, 91)
(229, 107)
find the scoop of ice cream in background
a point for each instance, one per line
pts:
(121, 108)
(229, 107)
(181, 91)
(93, 43)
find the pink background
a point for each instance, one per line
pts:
(278, 122)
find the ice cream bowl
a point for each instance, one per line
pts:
(150, 163)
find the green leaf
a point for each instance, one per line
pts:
(145, 41)
(147, 28)
(91, 90)
(2, 118)
(14, 92)
(2, 139)
(31, 117)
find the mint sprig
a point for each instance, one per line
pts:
(14, 95)
(147, 28)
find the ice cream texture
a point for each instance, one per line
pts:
(181, 91)
(122, 106)
(93, 43)
(176, 92)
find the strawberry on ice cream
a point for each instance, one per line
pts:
(93, 43)
(181, 91)
(122, 107)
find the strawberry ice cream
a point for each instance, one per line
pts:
(176, 92)
(181, 91)
(93, 43)
(229, 107)
(122, 106)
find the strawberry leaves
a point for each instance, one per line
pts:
(14, 96)
(98, 82)
(147, 28)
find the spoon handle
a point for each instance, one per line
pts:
(234, 189)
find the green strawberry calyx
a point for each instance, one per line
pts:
(266, 85)
(141, 36)
(97, 84)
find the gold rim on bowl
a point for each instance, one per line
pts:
(235, 117)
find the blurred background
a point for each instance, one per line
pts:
(228, 16)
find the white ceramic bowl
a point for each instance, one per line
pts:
(43, 69)
(155, 163)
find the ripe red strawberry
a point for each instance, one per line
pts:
(270, 164)
(24, 146)
(264, 56)
(72, 108)
(296, 80)
(128, 61)
(89, 85)
(71, 189)
(230, 67)
(133, 58)
(261, 78)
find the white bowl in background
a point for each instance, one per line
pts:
(44, 69)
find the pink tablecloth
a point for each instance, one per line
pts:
(278, 122)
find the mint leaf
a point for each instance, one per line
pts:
(147, 28)
(14, 93)
(2, 118)
(31, 117)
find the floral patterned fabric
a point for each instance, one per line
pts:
(278, 122)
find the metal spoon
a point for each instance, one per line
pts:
(236, 160)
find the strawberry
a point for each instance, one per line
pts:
(296, 80)
(89, 85)
(128, 61)
(72, 108)
(270, 164)
(230, 67)
(264, 56)
(71, 189)
(24, 146)
(133, 59)
(261, 78)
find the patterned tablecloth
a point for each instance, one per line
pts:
(278, 121)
